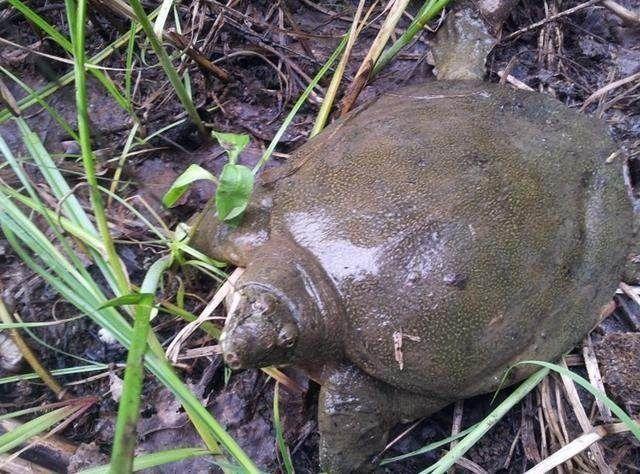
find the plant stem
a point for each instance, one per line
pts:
(77, 25)
(124, 442)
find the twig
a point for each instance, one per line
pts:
(627, 16)
(30, 357)
(583, 420)
(577, 446)
(514, 81)
(609, 87)
(180, 43)
(591, 363)
(549, 19)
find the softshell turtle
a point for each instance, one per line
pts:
(412, 252)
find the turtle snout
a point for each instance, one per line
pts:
(232, 360)
(233, 347)
(250, 344)
(244, 345)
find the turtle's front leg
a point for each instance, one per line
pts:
(355, 413)
(354, 418)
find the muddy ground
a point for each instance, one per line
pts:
(269, 49)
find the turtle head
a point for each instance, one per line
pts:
(261, 328)
(282, 311)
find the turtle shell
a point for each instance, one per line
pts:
(464, 225)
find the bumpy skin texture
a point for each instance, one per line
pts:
(478, 223)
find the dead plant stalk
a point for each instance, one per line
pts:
(30, 357)
(361, 77)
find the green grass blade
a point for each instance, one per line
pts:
(301, 100)
(147, 461)
(428, 447)
(633, 426)
(128, 75)
(66, 371)
(449, 459)
(69, 203)
(31, 143)
(36, 409)
(169, 70)
(17, 223)
(73, 229)
(125, 436)
(282, 444)
(22, 433)
(82, 226)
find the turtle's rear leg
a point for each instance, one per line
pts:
(355, 414)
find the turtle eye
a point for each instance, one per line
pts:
(287, 336)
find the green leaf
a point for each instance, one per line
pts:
(125, 300)
(233, 193)
(181, 184)
(233, 143)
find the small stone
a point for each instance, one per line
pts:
(10, 355)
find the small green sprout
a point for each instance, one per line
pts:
(235, 183)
